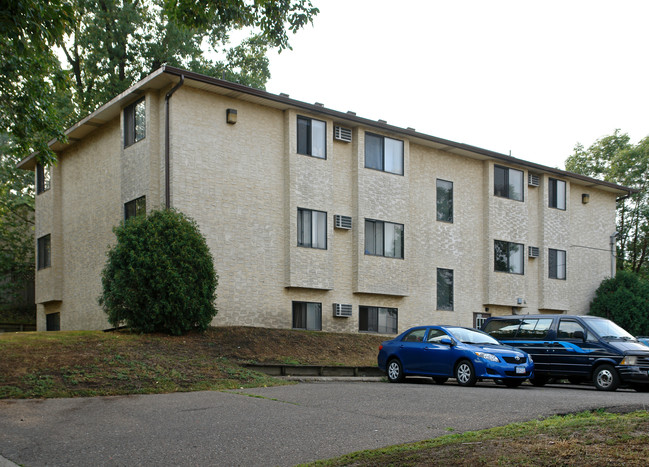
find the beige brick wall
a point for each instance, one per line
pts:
(87, 182)
(243, 184)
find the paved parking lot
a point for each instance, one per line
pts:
(272, 426)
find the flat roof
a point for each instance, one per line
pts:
(167, 75)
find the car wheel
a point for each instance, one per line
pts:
(606, 378)
(465, 374)
(395, 371)
(512, 383)
(539, 380)
(440, 379)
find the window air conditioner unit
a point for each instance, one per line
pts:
(342, 311)
(343, 134)
(532, 180)
(343, 222)
(533, 252)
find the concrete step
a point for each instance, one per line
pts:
(315, 370)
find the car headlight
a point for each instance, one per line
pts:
(630, 360)
(487, 356)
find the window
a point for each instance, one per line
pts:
(508, 257)
(44, 252)
(382, 153)
(53, 322)
(311, 137)
(503, 328)
(445, 289)
(135, 208)
(383, 239)
(311, 228)
(43, 176)
(444, 201)
(377, 319)
(534, 328)
(416, 335)
(436, 335)
(557, 262)
(307, 315)
(567, 330)
(134, 122)
(508, 183)
(557, 194)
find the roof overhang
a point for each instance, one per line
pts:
(167, 76)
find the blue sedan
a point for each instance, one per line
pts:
(444, 352)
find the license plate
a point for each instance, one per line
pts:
(520, 370)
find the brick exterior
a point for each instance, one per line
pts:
(244, 183)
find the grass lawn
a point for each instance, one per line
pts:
(91, 363)
(585, 439)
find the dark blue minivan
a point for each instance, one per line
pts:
(577, 348)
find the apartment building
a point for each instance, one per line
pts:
(317, 219)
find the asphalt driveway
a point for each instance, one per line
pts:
(271, 426)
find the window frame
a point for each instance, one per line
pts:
(131, 122)
(376, 222)
(363, 318)
(553, 190)
(554, 264)
(508, 245)
(43, 178)
(140, 208)
(44, 252)
(301, 231)
(504, 191)
(294, 307)
(310, 129)
(449, 305)
(437, 201)
(382, 162)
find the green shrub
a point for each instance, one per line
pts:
(625, 300)
(160, 276)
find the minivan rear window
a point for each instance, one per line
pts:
(534, 328)
(528, 328)
(502, 328)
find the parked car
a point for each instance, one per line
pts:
(444, 352)
(577, 348)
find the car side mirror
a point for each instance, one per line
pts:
(447, 341)
(579, 335)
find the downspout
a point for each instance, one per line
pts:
(613, 254)
(167, 162)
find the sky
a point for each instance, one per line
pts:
(530, 78)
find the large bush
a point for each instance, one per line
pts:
(160, 276)
(625, 300)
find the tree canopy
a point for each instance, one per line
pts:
(111, 44)
(615, 159)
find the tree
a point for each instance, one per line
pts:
(160, 276)
(113, 43)
(624, 299)
(32, 83)
(16, 225)
(614, 159)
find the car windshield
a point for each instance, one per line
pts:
(470, 336)
(609, 330)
